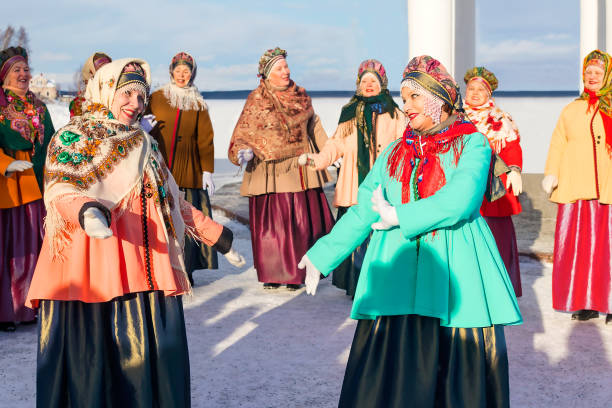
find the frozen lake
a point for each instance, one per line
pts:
(535, 117)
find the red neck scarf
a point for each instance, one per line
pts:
(607, 120)
(429, 176)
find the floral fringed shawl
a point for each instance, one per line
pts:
(97, 157)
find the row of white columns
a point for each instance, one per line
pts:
(446, 29)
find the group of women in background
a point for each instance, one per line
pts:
(423, 239)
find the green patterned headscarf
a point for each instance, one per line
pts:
(604, 95)
(362, 109)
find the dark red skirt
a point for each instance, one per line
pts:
(582, 264)
(21, 237)
(505, 238)
(283, 227)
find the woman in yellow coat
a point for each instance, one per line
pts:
(577, 177)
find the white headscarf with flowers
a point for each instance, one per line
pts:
(98, 157)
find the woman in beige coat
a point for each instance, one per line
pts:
(368, 123)
(288, 210)
(578, 173)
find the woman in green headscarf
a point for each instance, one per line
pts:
(368, 123)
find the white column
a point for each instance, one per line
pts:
(591, 34)
(444, 29)
(608, 25)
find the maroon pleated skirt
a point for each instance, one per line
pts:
(582, 264)
(21, 237)
(283, 227)
(505, 238)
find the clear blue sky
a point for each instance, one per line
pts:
(529, 44)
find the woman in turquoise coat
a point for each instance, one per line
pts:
(434, 294)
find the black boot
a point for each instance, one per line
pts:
(8, 326)
(585, 314)
(293, 286)
(271, 285)
(609, 318)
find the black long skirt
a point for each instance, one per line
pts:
(128, 352)
(198, 255)
(411, 361)
(346, 275)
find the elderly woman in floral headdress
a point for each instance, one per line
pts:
(110, 274)
(504, 139)
(578, 177)
(368, 123)
(25, 131)
(288, 209)
(179, 121)
(433, 294)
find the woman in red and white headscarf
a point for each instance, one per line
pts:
(504, 138)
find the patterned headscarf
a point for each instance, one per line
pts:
(604, 95)
(8, 58)
(375, 67)
(182, 58)
(420, 151)
(268, 59)
(101, 89)
(94, 63)
(432, 76)
(484, 76)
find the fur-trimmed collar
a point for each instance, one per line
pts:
(187, 98)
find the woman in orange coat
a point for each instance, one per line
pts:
(505, 140)
(25, 130)
(110, 275)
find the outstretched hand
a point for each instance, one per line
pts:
(388, 215)
(235, 258)
(312, 275)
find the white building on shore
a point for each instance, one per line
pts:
(43, 88)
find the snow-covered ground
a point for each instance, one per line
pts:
(535, 117)
(251, 347)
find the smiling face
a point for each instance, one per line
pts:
(18, 78)
(414, 107)
(593, 77)
(476, 93)
(369, 85)
(279, 75)
(181, 75)
(127, 105)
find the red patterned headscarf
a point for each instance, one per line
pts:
(420, 151)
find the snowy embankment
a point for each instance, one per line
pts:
(535, 117)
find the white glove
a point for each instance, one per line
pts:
(305, 159)
(549, 183)
(312, 275)
(17, 165)
(244, 156)
(148, 122)
(514, 180)
(337, 163)
(235, 258)
(388, 215)
(208, 183)
(95, 224)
